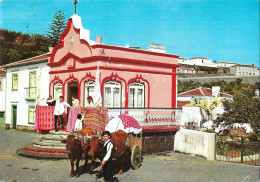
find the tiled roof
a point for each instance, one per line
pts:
(202, 92)
(2, 72)
(228, 62)
(182, 103)
(199, 58)
(32, 59)
(241, 65)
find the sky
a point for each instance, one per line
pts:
(222, 30)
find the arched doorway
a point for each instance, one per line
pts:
(72, 91)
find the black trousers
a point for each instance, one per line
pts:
(56, 120)
(108, 171)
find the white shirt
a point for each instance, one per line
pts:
(109, 150)
(75, 103)
(90, 105)
(78, 124)
(59, 107)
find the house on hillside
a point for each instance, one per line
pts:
(244, 70)
(2, 96)
(202, 93)
(197, 61)
(185, 70)
(27, 82)
(195, 113)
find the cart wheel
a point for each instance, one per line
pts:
(136, 157)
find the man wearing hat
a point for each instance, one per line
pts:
(107, 158)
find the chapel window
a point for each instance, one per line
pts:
(89, 91)
(112, 94)
(57, 92)
(136, 95)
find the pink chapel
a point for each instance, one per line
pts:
(129, 77)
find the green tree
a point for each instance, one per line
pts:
(243, 108)
(56, 28)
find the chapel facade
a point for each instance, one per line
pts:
(128, 77)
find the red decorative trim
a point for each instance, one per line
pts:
(104, 46)
(54, 81)
(139, 79)
(62, 36)
(160, 129)
(72, 79)
(113, 68)
(116, 78)
(85, 79)
(174, 92)
(114, 60)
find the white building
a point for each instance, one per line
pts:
(2, 91)
(2, 97)
(226, 64)
(157, 48)
(244, 70)
(185, 70)
(197, 61)
(27, 83)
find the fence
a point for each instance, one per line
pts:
(238, 149)
(149, 116)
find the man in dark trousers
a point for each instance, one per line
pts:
(58, 112)
(107, 160)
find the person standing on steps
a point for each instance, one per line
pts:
(58, 112)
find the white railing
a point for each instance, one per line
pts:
(149, 116)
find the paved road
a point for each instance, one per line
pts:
(174, 167)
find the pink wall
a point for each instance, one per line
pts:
(79, 63)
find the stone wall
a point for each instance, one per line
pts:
(158, 142)
(195, 142)
(245, 79)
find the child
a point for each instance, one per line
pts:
(79, 124)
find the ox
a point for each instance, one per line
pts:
(119, 140)
(75, 148)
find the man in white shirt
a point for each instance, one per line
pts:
(106, 153)
(58, 112)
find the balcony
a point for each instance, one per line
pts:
(150, 117)
(30, 93)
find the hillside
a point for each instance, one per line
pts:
(16, 46)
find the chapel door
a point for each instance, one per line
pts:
(72, 92)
